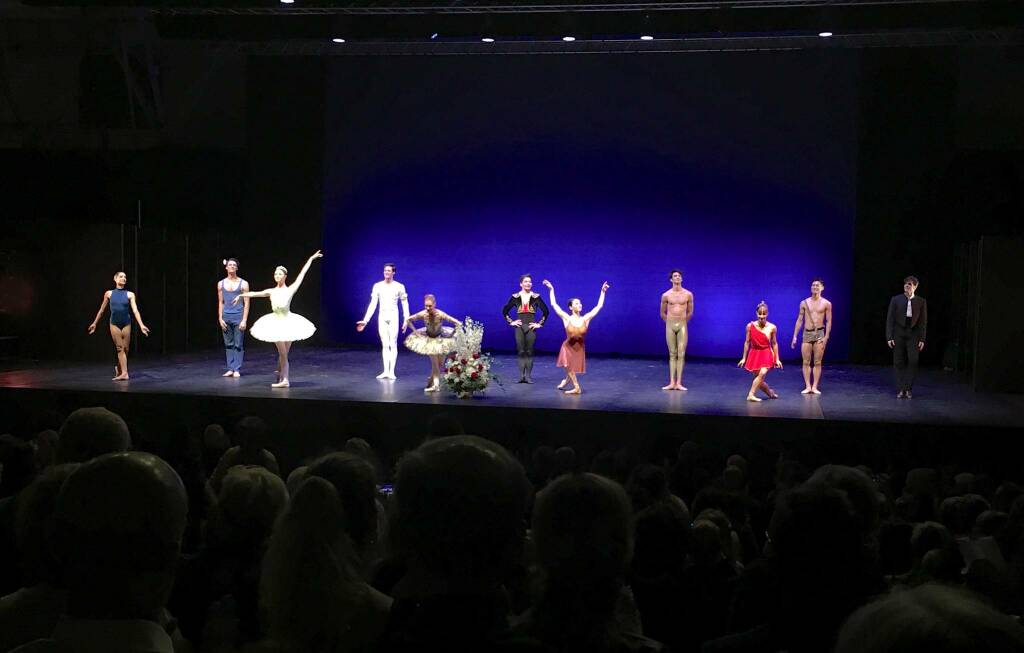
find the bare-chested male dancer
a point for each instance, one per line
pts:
(676, 311)
(816, 315)
(388, 293)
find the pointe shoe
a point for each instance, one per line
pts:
(815, 391)
(574, 391)
(235, 374)
(391, 377)
(753, 398)
(683, 388)
(670, 386)
(382, 375)
(228, 373)
(561, 385)
(806, 391)
(280, 384)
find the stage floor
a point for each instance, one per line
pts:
(851, 393)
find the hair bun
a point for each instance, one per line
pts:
(224, 262)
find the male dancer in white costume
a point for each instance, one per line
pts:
(388, 293)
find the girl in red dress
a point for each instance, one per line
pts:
(573, 356)
(760, 353)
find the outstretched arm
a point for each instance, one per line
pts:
(449, 318)
(99, 313)
(304, 270)
(138, 317)
(600, 303)
(408, 324)
(554, 303)
(254, 293)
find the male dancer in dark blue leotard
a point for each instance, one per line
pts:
(233, 316)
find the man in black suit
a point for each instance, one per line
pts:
(905, 328)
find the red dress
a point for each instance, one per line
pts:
(572, 356)
(760, 353)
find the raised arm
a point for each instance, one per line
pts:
(554, 303)
(304, 270)
(99, 313)
(600, 303)
(138, 317)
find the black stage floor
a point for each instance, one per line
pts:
(334, 390)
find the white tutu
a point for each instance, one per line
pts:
(282, 327)
(419, 342)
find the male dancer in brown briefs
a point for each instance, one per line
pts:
(816, 316)
(676, 311)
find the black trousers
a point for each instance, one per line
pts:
(905, 356)
(525, 337)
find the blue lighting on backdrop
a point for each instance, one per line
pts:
(738, 168)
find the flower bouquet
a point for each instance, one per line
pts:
(467, 370)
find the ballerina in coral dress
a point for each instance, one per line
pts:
(282, 327)
(573, 356)
(433, 340)
(760, 353)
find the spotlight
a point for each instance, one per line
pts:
(646, 37)
(287, 2)
(433, 36)
(824, 35)
(487, 39)
(338, 40)
(568, 38)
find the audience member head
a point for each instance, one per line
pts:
(355, 481)
(583, 542)
(35, 526)
(459, 507)
(46, 443)
(91, 432)
(215, 443)
(647, 484)
(542, 460)
(736, 460)
(930, 619)
(859, 489)
(120, 519)
(17, 465)
(295, 479)
(249, 501)
(310, 585)
(734, 479)
(563, 461)
(705, 551)
(252, 433)
(990, 523)
(661, 539)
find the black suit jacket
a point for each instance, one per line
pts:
(898, 315)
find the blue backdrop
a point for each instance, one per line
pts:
(737, 168)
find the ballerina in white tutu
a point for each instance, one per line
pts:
(282, 327)
(433, 340)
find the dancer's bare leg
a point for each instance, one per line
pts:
(765, 388)
(819, 353)
(806, 349)
(758, 380)
(122, 338)
(282, 357)
(435, 375)
(575, 384)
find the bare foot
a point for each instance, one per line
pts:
(815, 391)
(574, 391)
(228, 373)
(753, 398)
(280, 384)
(235, 374)
(806, 391)
(120, 377)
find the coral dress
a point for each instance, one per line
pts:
(282, 325)
(760, 353)
(573, 356)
